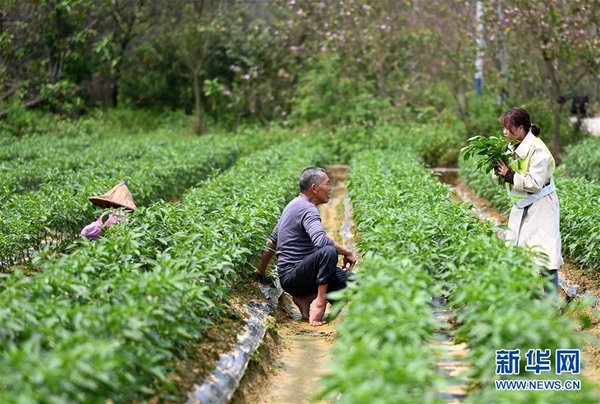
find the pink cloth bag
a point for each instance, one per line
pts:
(93, 230)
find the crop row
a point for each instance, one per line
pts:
(496, 291)
(156, 166)
(59, 210)
(582, 160)
(383, 345)
(62, 134)
(109, 319)
(437, 144)
(59, 158)
(28, 164)
(579, 211)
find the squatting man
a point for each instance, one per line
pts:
(306, 257)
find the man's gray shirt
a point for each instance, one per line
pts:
(298, 233)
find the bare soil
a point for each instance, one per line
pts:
(306, 351)
(332, 213)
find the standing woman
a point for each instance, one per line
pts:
(535, 216)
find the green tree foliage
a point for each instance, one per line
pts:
(230, 61)
(323, 94)
(552, 46)
(57, 51)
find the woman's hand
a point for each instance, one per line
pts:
(502, 168)
(504, 171)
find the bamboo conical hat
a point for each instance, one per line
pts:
(118, 196)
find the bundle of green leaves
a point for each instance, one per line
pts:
(493, 148)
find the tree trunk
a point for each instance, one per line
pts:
(116, 76)
(381, 75)
(556, 118)
(199, 124)
(114, 91)
(502, 93)
(558, 102)
(462, 107)
(116, 81)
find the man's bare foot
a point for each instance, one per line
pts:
(317, 312)
(303, 303)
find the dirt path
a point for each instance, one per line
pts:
(306, 353)
(307, 350)
(450, 359)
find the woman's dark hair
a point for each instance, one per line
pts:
(515, 117)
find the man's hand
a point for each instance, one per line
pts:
(267, 254)
(349, 258)
(349, 262)
(260, 277)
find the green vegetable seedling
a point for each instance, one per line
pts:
(493, 148)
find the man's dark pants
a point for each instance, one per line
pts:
(316, 269)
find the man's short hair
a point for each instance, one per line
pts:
(310, 176)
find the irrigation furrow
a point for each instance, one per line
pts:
(450, 357)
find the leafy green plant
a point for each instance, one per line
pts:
(583, 160)
(435, 143)
(107, 321)
(326, 96)
(496, 292)
(44, 190)
(382, 343)
(493, 149)
(56, 205)
(20, 122)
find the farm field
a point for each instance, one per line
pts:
(299, 201)
(114, 318)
